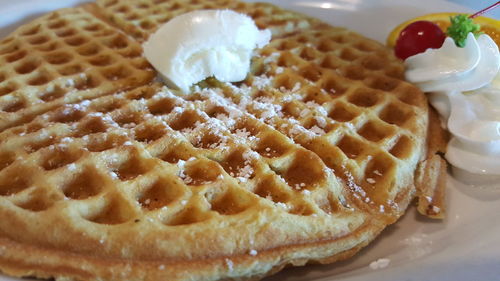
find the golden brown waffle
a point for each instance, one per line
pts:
(64, 57)
(342, 97)
(431, 173)
(141, 18)
(169, 183)
(307, 160)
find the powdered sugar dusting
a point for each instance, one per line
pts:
(380, 263)
(352, 184)
(229, 264)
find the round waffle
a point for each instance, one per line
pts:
(307, 160)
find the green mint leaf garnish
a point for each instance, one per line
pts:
(460, 26)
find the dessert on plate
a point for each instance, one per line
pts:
(110, 174)
(457, 63)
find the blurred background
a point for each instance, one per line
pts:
(475, 4)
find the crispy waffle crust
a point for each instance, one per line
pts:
(307, 160)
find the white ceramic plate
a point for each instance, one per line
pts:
(464, 247)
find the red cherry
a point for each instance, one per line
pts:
(418, 37)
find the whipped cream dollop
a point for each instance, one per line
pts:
(204, 43)
(464, 86)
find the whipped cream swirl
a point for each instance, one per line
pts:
(464, 86)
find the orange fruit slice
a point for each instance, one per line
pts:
(488, 26)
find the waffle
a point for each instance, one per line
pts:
(141, 18)
(306, 161)
(65, 57)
